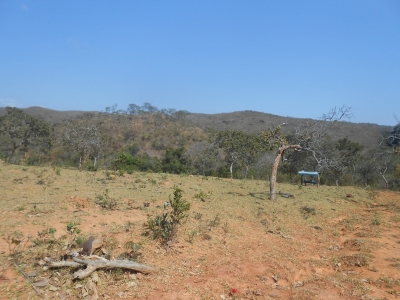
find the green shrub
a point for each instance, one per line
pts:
(164, 226)
(200, 195)
(131, 251)
(46, 236)
(72, 228)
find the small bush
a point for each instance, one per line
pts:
(72, 228)
(131, 251)
(164, 226)
(46, 236)
(16, 242)
(200, 195)
(376, 220)
(106, 202)
(307, 212)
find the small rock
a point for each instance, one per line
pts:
(223, 297)
(53, 288)
(257, 292)
(41, 283)
(41, 262)
(280, 287)
(95, 277)
(132, 284)
(298, 284)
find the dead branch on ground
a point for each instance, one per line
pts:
(93, 265)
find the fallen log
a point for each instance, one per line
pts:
(93, 265)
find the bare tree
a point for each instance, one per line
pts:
(309, 137)
(277, 139)
(393, 138)
(204, 156)
(86, 137)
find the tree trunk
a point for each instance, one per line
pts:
(386, 182)
(272, 183)
(246, 172)
(80, 162)
(231, 170)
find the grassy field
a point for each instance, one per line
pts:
(318, 243)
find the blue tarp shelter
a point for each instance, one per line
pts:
(314, 177)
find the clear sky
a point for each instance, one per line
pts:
(289, 58)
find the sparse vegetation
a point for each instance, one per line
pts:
(164, 226)
(320, 228)
(307, 212)
(105, 201)
(181, 143)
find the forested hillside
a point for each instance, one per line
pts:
(233, 145)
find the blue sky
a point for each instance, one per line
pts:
(289, 58)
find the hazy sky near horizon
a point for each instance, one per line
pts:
(288, 58)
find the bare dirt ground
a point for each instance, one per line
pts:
(322, 243)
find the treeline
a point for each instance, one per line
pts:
(145, 138)
(146, 108)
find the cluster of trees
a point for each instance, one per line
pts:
(20, 132)
(90, 141)
(146, 108)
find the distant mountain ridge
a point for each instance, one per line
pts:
(366, 134)
(254, 122)
(48, 115)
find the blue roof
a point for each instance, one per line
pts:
(308, 173)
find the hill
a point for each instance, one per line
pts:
(367, 134)
(49, 115)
